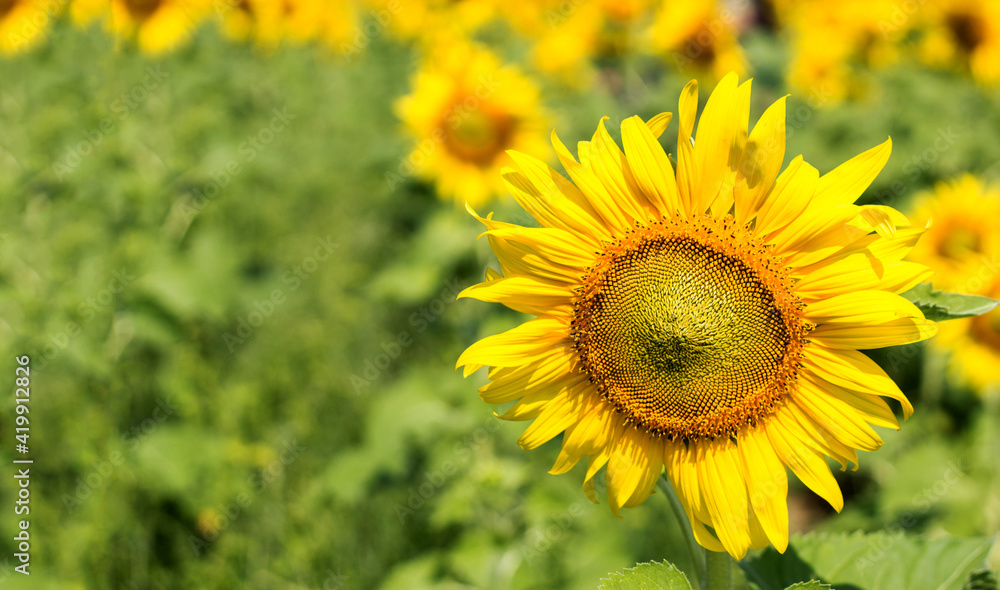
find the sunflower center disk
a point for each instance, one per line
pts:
(686, 339)
(477, 135)
(142, 9)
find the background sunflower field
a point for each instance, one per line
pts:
(233, 232)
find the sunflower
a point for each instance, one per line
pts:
(567, 37)
(706, 321)
(962, 245)
(464, 111)
(964, 34)
(698, 37)
(295, 21)
(833, 44)
(157, 26)
(23, 23)
(425, 21)
(563, 45)
(340, 26)
(273, 22)
(239, 18)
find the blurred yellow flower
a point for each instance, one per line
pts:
(24, 23)
(209, 523)
(699, 38)
(833, 43)
(427, 20)
(565, 45)
(705, 320)
(465, 111)
(157, 26)
(239, 18)
(340, 27)
(298, 21)
(963, 34)
(962, 246)
(568, 36)
(270, 23)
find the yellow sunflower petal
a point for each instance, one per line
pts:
(551, 199)
(647, 483)
(814, 229)
(597, 195)
(860, 272)
(564, 462)
(723, 202)
(817, 437)
(523, 294)
(530, 406)
(517, 382)
(682, 471)
(594, 431)
(687, 166)
(556, 416)
(891, 333)
(836, 417)
(657, 124)
(628, 463)
(853, 370)
(723, 484)
(523, 344)
(788, 198)
(610, 168)
(845, 183)
(877, 217)
(760, 162)
(600, 458)
(869, 407)
(862, 308)
(767, 483)
(555, 246)
(808, 465)
(714, 141)
(650, 166)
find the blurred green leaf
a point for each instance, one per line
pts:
(647, 576)
(939, 306)
(881, 560)
(983, 579)
(810, 585)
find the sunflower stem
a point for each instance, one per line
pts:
(696, 551)
(718, 571)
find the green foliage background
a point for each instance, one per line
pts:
(173, 449)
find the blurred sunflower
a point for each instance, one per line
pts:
(465, 111)
(340, 26)
(963, 33)
(157, 26)
(698, 38)
(567, 37)
(427, 20)
(962, 246)
(239, 18)
(273, 22)
(708, 322)
(297, 21)
(834, 43)
(24, 23)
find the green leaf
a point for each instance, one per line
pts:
(939, 306)
(810, 585)
(647, 576)
(876, 561)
